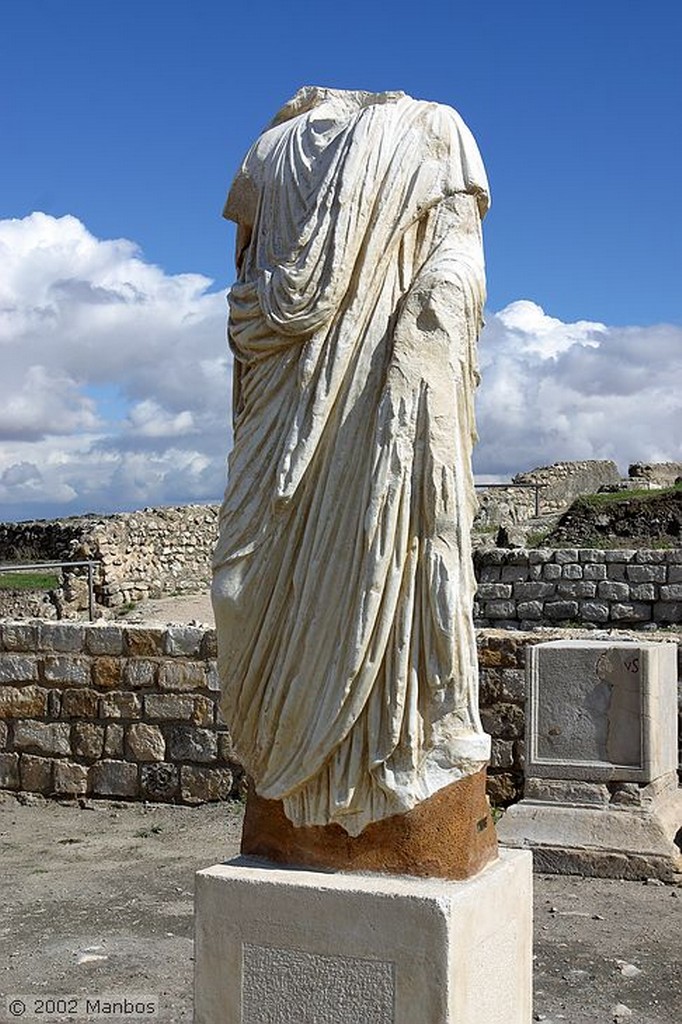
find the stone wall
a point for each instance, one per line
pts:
(139, 554)
(112, 711)
(131, 712)
(559, 483)
(585, 586)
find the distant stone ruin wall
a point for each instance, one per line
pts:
(654, 474)
(565, 481)
(131, 712)
(578, 586)
(139, 554)
(559, 485)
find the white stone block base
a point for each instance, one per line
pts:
(603, 841)
(280, 946)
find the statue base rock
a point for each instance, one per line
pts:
(450, 835)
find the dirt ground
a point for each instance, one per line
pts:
(191, 608)
(97, 899)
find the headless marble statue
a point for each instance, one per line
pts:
(343, 580)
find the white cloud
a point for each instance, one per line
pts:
(115, 381)
(552, 390)
(116, 377)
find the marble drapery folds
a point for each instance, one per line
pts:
(343, 580)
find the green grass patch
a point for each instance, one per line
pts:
(28, 580)
(617, 497)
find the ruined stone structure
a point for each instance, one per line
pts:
(139, 554)
(558, 484)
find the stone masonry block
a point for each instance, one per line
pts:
(643, 591)
(19, 636)
(489, 574)
(3, 735)
(114, 778)
(672, 592)
(87, 740)
(67, 670)
(145, 742)
(113, 740)
(142, 642)
(572, 571)
(499, 609)
(107, 672)
(42, 738)
(576, 588)
(66, 637)
(120, 705)
(620, 555)
(594, 572)
(503, 721)
(169, 706)
(564, 556)
(646, 556)
(22, 702)
(80, 703)
(18, 668)
(36, 773)
(530, 609)
(69, 779)
(209, 644)
(104, 640)
(594, 611)
(487, 591)
(182, 675)
(159, 781)
(204, 712)
(635, 611)
(646, 573)
(608, 591)
(183, 641)
(139, 673)
(561, 610)
(589, 555)
(186, 743)
(675, 574)
(203, 785)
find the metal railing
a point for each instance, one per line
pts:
(35, 566)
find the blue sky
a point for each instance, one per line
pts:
(126, 121)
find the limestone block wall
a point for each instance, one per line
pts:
(112, 711)
(585, 586)
(131, 712)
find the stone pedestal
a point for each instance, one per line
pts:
(277, 946)
(601, 794)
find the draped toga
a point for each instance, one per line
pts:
(343, 580)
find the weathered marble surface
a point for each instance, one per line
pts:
(343, 580)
